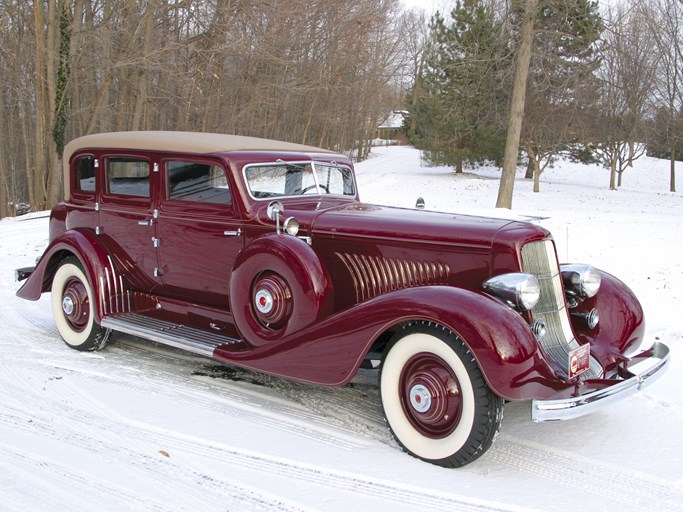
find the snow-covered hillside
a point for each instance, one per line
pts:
(142, 427)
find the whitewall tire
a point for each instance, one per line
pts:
(73, 308)
(435, 399)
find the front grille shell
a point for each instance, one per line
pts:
(539, 259)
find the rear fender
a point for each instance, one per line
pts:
(106, 281)
(331, 351)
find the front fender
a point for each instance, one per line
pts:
(622, 323)
(94, 258)
(331, 351)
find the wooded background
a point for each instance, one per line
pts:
(600, 80)
(595, 81)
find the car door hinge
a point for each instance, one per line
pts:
(158, 272)
(155, 242)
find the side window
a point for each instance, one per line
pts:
(85, 174)
(197, 182)
(128, 176)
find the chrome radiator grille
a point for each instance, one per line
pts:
(538, 258)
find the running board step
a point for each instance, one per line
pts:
(168, 333)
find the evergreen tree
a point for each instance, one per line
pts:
(561, 82)
(460, 114)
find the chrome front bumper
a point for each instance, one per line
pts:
(656, 359)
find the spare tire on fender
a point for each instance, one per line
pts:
(278, 286)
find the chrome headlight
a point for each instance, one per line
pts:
(520, 291)
(291, 226)
(580, 280)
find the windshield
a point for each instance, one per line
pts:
(295, 179)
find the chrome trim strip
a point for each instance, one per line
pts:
(376, 275)
(574, 407)
(103, 300)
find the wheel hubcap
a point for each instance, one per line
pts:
(264, 301)
(430, 395)
(75, 304)
(420, 398)
(272, 300)
(68, 305)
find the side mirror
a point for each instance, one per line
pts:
(274, 211)
(420, 204)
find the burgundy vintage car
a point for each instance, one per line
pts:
(260, 254)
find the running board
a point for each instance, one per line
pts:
(168, 333)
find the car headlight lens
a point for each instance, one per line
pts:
(581, 280)
(291, 226)
(520, 291)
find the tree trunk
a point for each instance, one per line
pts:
(537, 175)
(529, 168)
(672, 164)
(4, 171)
(613, 174)
(507, 178)
(458, 164)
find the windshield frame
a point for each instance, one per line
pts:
(314, 171)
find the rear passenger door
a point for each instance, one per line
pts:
(127, 218)
(199, 232)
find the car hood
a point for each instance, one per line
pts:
(365, 221)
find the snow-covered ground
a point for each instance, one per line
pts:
(142, 427)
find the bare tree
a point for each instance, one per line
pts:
(626, 76)
(320, 72)
(665, 21)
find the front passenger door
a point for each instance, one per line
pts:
(199, 234)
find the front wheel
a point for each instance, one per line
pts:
(435, 399)
(73, 308)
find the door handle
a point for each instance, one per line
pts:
(146, 222)
(237, 232)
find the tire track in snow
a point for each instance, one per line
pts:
(254, 407)
(412, 496)
(48, 494)
(134, 452)
(588, 475)
(402, 493)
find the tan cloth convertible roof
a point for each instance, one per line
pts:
(185, 142)
(182, 142)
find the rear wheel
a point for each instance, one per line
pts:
(435, 399)
(73, 308)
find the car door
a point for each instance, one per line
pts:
(199, 233)
(127, 223)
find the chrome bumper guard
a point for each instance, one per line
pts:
(614, 390)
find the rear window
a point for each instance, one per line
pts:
(85, 174)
